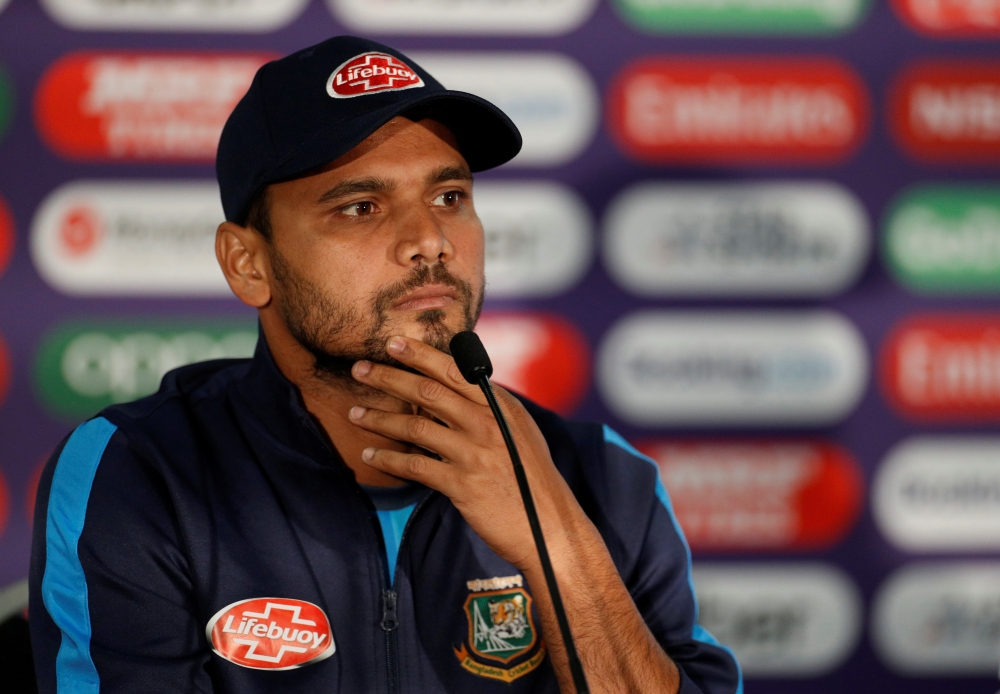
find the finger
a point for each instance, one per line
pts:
(434, 363)
(411, 466)
(441, 401)
(414, 429)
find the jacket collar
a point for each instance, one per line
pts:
(281, 416)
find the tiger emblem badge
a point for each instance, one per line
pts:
(501, 630)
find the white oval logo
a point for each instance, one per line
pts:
(940, 494)
(516, 17)
(781, 620)
(179, 15)
(538, 237)
(733, 368)
(550, 97)
(763, 239)
(939, 619)
(122, 238)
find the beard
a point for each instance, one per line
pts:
(316, 320)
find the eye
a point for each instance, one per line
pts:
(453, 198)
(359, 209)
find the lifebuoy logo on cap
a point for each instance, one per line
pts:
(271, 633)
(369, 73)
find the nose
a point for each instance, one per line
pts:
(420, 239)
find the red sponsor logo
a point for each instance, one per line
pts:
(948, 111)
(369, 73)
(760, 495)
(137, 106)
(944, 367)
(951, 17)
(6, 236)
(804, 110)
(542, 357)
(271, 633)
(80, 231)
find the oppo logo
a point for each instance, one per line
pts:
(539, 237)
(767, 239)
(760, 495)
(175, 15)
(543, 357)
(940, 494)
(939, 619)
(789, 111)
(946, 239)
(130, 238)
(785, 620)
(271, 633)
(550, 97)
(141, 106)
(946, 111)
(511, 17)
(743, 16)
(84, 367)
(944, 367)
(7, 235)
(733, 368)
(969, 18)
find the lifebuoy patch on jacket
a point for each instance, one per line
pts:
(271, 633)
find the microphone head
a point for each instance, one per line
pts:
(471, 356)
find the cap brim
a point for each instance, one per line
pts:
(486, 137)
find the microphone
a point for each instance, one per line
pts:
(474, 363)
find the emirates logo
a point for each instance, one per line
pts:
(370, 73)
(271, 633)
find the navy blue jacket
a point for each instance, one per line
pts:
(156, 519)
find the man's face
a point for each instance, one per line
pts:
(384, 241)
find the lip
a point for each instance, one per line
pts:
(427, 297)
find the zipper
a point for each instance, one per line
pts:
(390, 617)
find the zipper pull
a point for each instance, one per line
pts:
(389, 621)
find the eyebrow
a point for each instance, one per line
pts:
(449, 173)
(357, 185)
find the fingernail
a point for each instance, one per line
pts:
(397, 345)
(357, 412)
(367, 454)
(362, 368)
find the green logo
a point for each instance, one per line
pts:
(743, 16)
(6, 101)
(83, 368)
(946, 239)
(500, 629)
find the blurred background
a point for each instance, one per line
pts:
(759, 238)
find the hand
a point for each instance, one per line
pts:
(474, 469)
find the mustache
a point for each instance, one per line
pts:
(420, 276)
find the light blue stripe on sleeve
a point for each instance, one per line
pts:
(64, 586)
(699, 633)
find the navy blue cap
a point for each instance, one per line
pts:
(309, 108)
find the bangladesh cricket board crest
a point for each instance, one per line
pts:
(501, 631)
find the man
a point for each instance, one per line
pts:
(339, 514)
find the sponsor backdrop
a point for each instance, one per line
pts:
(760, 239)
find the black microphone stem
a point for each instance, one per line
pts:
(575, 667)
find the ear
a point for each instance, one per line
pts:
(242, 255)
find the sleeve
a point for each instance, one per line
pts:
(659, 579)
(111, 603)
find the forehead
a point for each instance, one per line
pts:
(400, 149)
